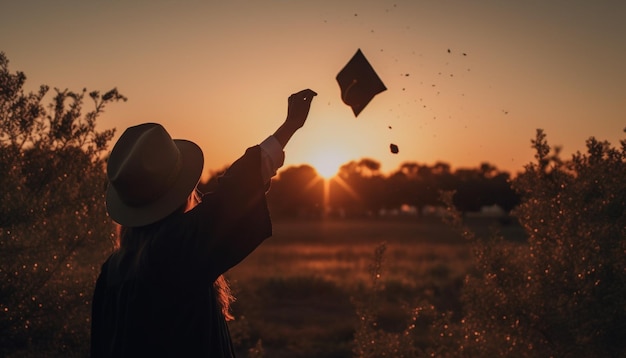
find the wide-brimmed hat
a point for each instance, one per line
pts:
(150, 175)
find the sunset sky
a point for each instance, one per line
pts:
(219, 72)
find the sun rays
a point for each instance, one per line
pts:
(344, 185)
(327, 192)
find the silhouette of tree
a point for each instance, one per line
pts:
(361, 189)
(398, 190)
(470, 190)
(501, 190)
(298, 191)
(415, 185)
(483, 186)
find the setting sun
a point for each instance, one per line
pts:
(326, 162)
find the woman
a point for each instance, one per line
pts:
(162, 293)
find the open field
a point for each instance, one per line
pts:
(297, 293)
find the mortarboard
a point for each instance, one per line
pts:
(359, 83)
(393, 148)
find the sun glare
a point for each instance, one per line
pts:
(326, 164)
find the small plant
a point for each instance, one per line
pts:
(369, 339)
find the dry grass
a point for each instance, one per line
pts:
(297, 292)
(341, 251)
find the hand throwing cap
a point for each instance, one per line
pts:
(359, 83)
(150, 175)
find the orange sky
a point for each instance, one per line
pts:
(219, 73)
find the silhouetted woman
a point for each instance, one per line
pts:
(162, 293)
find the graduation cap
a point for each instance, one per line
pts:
(359, 83)
(393, 148)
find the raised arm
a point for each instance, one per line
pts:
(297, 112)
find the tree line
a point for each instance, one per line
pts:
(361, 189)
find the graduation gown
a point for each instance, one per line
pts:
(158, 300)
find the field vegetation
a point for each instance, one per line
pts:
(301, 292)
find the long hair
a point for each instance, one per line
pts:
(137, 239)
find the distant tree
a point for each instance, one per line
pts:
(432, 180)
(297, 191)
(361, 189)
(416, 185)
(470, 190)
(502, 193)
(398, 186)
(365, 192)
(483, 186)
(54, 231)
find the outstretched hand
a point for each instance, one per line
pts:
(297, 112)
(298, 107)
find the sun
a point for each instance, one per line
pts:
(326, 163)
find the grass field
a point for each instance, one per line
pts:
(297, 293)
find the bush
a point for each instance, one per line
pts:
(53, 226)
(560, 294)
(564, 293)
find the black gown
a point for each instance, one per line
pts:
(160, 302)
